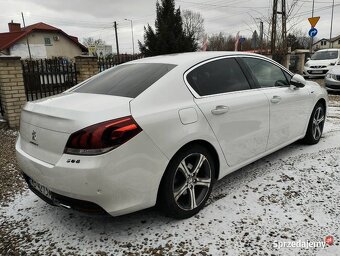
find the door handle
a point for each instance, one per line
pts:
(275, 99)
(219, 110)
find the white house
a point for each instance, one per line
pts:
(325, 44)
(45, 41)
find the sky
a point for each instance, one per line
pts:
(85, 18)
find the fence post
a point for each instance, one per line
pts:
(87, 66)
(12, 89)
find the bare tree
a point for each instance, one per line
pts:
(221, 42)
(193, 24)
(90, 41)
(217, 42)
(302, 38)
(293, 19)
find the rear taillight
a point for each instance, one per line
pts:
(103, 137)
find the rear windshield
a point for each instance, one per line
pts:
(327, 55)
(126, 80)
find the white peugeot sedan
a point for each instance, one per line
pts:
(161, 131)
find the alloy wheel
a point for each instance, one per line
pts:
(192, 181)
(318, 122)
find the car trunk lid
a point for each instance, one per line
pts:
(46, 124)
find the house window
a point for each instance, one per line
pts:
(47, 41)
(339, 42)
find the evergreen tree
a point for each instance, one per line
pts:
(168, 36)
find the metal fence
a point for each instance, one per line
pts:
(43, 78)
(1, 108)
(108, 62)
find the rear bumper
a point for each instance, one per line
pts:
(66, 202)
(121, 181)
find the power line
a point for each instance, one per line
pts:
(223, 6)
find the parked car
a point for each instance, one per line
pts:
(332, 80)
(321, 62)
(162, 130)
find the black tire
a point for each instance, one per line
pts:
(317, 119)
(175, 181)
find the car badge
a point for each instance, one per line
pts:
(34, 135)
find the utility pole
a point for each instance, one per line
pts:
(284, 26)
(28, 45)
(283, 13)
(311, 39)
(330, 35)
(116, 34)
(261, 36)
(274, 21)
(133, 41)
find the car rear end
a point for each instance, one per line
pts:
(83, 149)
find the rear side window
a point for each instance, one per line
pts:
(220, 76)
(126, 80)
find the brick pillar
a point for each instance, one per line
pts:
(301, 62)
(12, 89)
(87, 66)
(286, 60)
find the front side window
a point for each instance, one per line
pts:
(265, 73)
(128, 80)
(219, 76)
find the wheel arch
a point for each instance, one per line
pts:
(203, 143)
(323, 102)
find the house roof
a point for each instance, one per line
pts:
(10, 38)
(323, 39)
(336, 38)
(327, 40)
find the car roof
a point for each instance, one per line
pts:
(191, 57)
(327, 50)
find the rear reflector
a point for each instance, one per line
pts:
(103, 137)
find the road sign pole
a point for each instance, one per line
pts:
(312, 40)
(330, 35)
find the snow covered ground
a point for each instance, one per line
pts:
(292, 195)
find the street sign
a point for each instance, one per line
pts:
(313, 32)
(313, 21)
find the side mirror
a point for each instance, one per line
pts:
(298, 81)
